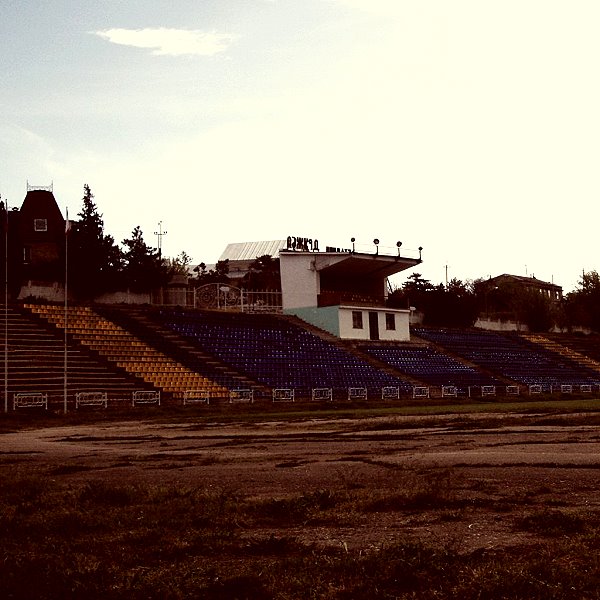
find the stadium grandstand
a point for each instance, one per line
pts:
(326, 335)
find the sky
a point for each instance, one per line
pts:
(470, 128)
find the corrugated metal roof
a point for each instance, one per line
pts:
(252, 250)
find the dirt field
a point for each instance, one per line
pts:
(473, 479)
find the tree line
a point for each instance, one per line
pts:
(97, 264)
(460, 304)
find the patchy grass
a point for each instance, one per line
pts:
(553, 523)
(377, 529)
(67, 538)
(300, 509)
(416, 490)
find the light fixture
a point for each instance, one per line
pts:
(420, 250)
(353, 239)
(376, 242)
(398, 245)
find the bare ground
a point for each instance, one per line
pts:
(493, 469)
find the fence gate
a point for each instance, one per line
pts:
(488, 390)
(30, 400)
(283, 395)
(91, 399)
(357, 393)
(145, 397)
(219, 296)
(390, 393)
(241, 396)
(196, 397)
(322, 394)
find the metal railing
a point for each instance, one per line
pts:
(219, 296)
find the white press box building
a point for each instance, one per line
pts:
(340, 290)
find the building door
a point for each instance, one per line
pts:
(373, 326)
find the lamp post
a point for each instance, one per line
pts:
(376, 242)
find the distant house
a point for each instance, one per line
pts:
(551, 290)
(36, 246)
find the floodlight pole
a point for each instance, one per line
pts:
(159, 234)
(66, 318)
(6, 308)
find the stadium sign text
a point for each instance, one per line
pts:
(302, 244)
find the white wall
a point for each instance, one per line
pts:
(299, 280)
(56, 293)
(338, 321)
(400, 334)
(52, 292)
(497, 325)
(125, 297)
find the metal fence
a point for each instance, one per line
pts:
(221, 297)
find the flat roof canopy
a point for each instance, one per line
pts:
(358, 264)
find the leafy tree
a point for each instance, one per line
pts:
(263, 274)
(143, 268)
(459, 304)
(179, 265)
(582, 305)
(220, 274)
(416, 284)
(412, 293)
(454, 306)
(535, 309)
(95, 261)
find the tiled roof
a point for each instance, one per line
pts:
(527, 280)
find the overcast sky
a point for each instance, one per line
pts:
(468, 127)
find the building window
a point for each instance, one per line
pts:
(357, 320)
(390, 321)
(26, 254)
(40, 225)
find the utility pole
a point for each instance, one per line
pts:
(159, 234)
